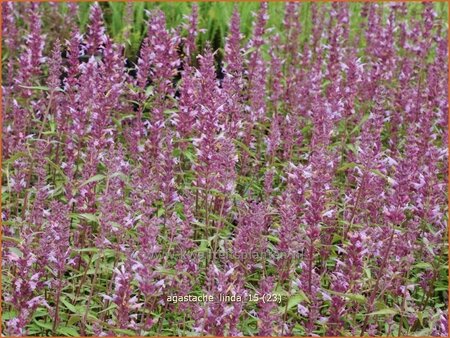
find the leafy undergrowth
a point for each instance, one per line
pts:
(303, 176)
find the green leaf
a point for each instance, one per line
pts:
(379, 173)
(160, 212)
(420, 317)
(245, 148)
(273, 239)
(52, 125)
(10, 239)
(119, 174)
(249, 50)
(74, 319)
(112, 306)
(43, 325)
(383, 312)
(441, 288)
(346, 166)
(352, 148)
(203, 246)
(422, 333)
(9, 315)
(357, 298)
(149, 91)
(89, 217)
(95, 178)
(16, 251)
(86, 250)
(56, 167)
(358, 126)
(70, 306)
(423, 265)
(35, 87)
(15, 157)
(68, 331)
(125, 332)
(297, 299)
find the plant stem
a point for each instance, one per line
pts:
(375, 289)
(57, 297)
(88, 303)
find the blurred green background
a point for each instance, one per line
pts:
(214, 17)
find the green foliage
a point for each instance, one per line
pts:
(214, 18)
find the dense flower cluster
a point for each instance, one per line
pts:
(186, 170)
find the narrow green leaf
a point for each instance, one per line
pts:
(35, 87)
(86, 250)
(68, 331)
(70, 306)
(95, 178)
(384, 312)
(346, 166)
(10, 239)
(47, 326)
(89, 217)
(357, 298)
(73, 319)
(423, 265)
(125, 332)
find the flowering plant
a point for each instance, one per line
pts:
(289, 178)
